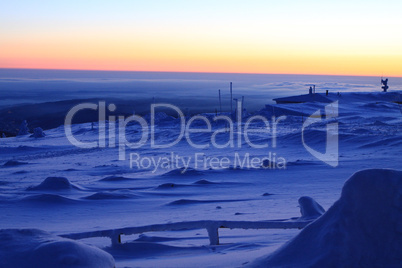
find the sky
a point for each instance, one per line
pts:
(355, 37)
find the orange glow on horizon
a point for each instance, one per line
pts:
(186, 56)
(340, 65)
(339, 39)
(189, 54)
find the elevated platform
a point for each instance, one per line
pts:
(314, 97)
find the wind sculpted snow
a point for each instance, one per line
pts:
(362, 229)
(79, 190)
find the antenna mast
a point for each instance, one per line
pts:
(242, 105)
(231, 99)
(220, 102)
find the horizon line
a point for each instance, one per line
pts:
(190, 72)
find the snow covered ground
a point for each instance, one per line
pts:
(362, 229)
(90, 189)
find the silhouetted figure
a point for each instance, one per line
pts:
(385, 84)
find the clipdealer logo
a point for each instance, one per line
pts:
(235, 127)
(112, 133)
(331, 155)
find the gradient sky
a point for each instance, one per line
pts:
(355, 37)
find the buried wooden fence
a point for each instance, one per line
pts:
(212, 228)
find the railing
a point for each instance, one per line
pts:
(212, 228)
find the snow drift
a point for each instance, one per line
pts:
(362, 229)
(35, 248)
(309, 208)
(13, 163)
(38, 133)
(55, 184)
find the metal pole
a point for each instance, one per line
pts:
(220, 102)
(242, 105)
(231, 99)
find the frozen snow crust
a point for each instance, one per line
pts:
(35, 248)
(362, 229)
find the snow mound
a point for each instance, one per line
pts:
(71, 169)
(13, 163)
(111, 195)
(199, 183)
(35, 248)
(204, 182)
(169, 185)
(379, 123)
(268, 194)
(38, 133)
(309, 208)
(115, 178)
(55, 184)
(362, 229)
(184, 172)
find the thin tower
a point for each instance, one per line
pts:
(242, 105)
(231, 99)
(220, 102)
